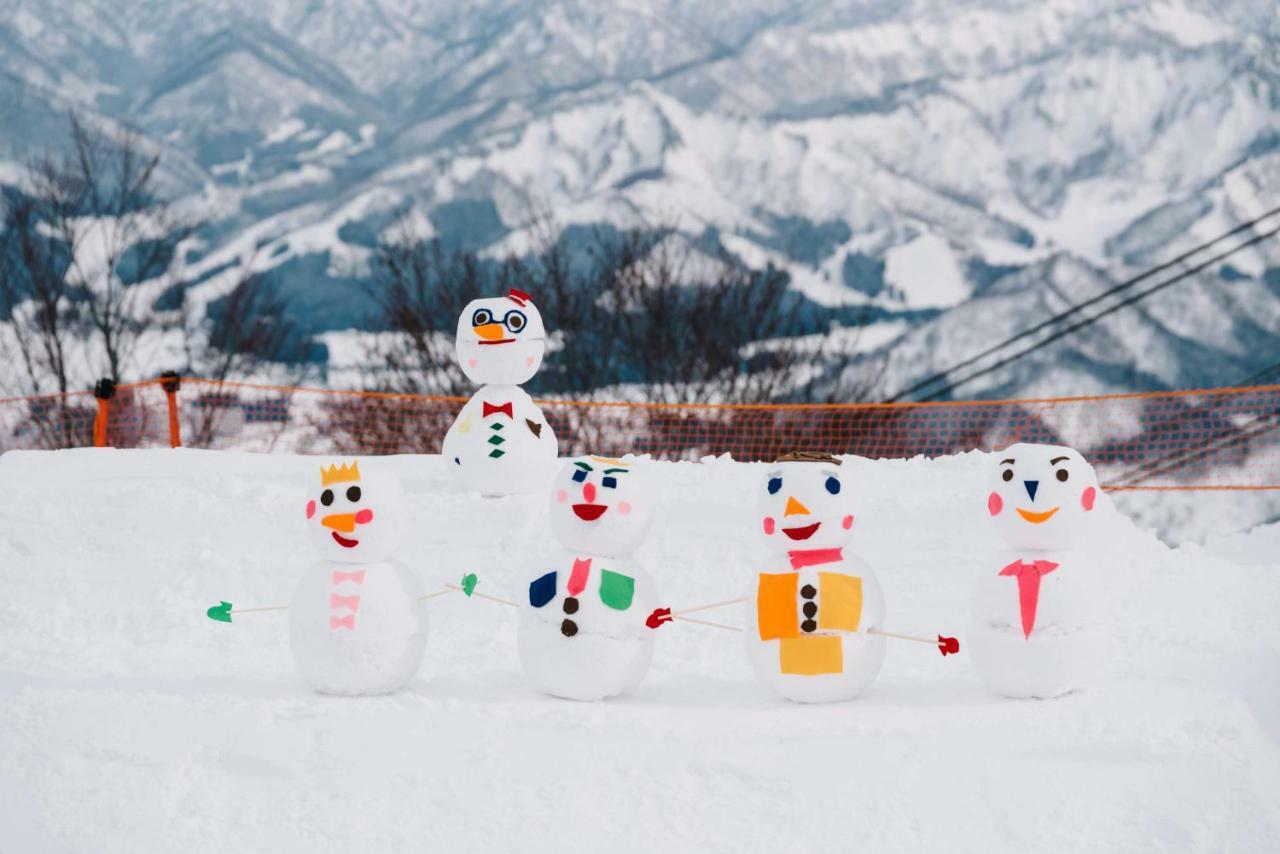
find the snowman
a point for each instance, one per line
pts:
(356, 625)
(501, 443)
(809, 621)
(582, 633)
(1032, 631)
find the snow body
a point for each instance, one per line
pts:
(356, 625)
(1034, 628)
(813, 600)
(582, 633)
(501, 443)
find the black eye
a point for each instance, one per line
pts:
(579, 476)
(775, 483)
(609, 482)
(1062, 475)
(833, 486)
(326, 497)
(353, 494)
(514, 320)
(1008, 475)
(481, 317)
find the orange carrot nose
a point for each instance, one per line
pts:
(345, 522)
(489, 331)
(795, 508)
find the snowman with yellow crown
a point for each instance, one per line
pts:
(357, 620)
(501, 443)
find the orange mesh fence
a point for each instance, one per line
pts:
(1207, 439)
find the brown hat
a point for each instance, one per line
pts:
(807, 457)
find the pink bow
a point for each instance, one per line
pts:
(339, 576)
(800, 558)
(578, 577)
(347, 622)
(1029, 575)
(336, 601)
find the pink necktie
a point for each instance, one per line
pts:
(1029, 575)
(578, 577)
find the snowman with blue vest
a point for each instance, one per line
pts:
(501, 443)
(583, 632)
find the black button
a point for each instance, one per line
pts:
(570, 605)
(808, 625)
(568, 628)
(808, 591)
(809, 609)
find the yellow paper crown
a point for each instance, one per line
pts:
(344, 473)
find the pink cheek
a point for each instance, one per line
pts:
(994, 504)
(528, 363)
(624, 507)
(472, 362)
(847, 522)
(769, 525)
(364, 517)
(561, 496)
(311, 509)
(1088, 497)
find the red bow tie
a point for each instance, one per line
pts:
(1029, 575)
(800, 558)
(490, 409)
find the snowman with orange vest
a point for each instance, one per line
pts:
(812, 621)
(501, 443)
(1033, 630)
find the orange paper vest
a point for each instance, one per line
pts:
(839, 609)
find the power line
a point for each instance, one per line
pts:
(1076, 309)
(1125, 303)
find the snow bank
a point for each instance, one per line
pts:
(129, 722)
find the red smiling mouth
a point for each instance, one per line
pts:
(344, 542)
(499, 341)
(590, 512)
(802, 533)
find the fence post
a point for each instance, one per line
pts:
(103, 391)
(170, 382)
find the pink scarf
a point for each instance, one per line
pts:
(800, 558)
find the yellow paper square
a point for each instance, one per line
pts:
(839, 601)
(811, 656)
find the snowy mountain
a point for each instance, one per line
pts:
(989, 161)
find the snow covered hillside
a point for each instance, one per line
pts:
(129, 722)
(964, 168)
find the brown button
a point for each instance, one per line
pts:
(568, 628)
(808, 591)
(570, 605)
(807, 626)
(810, 609)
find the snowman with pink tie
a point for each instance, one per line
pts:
(1034, 629)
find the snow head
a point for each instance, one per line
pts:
(1042, 496)
(601, 506)
(501, 340)
(354, 516)
(805, 502)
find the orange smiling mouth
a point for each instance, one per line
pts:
(1036, 518)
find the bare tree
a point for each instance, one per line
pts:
(86, 231)
(640, 308)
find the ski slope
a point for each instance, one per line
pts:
(129, 722)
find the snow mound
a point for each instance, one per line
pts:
(129, 722)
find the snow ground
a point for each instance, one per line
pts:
(129, 722)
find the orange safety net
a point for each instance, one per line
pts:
(1226, 438)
